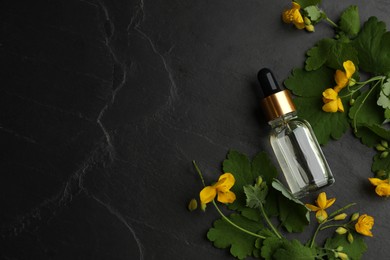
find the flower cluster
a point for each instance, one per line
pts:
(343, 79)
(363, 225)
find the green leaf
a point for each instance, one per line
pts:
(223, 235)
(371, 135)
(306, 3)
(387, 113)
(384, 95)
(294, 250)
(269, 247)
(354, 250)
(255, 195)
(365, 110)
(373, 46)
(332, 53)
(381, 164)
(350, 21)
(245, 173)
(308, 86)
(314, 13)
(292, 213)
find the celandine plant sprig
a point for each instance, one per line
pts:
(262, 210)
(328, 89)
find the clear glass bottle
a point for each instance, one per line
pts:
(296, 148)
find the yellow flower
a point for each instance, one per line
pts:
(382, 186)
(344, 78)
(221, 188)
(364, 225)
(322, 204)
(294, 16)
(332, 101)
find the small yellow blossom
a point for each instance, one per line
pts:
(322, 204)
(344, 79)
(332, 101)
(221, 188)
(364, 225)
(294, 16)
(382, 186)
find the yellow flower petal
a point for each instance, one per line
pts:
(225, 182)
(340, 106)
(330, 106)
(364, 225)
(383, 189)
(377, 181)
(329, 94)
(321, 200)
(312, 207)
(226, 197)
(330, 202)
(349, 68)
(207, 194)
(294, 16)
(341, 80)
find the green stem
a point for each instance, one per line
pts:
(269, 222)
(315, 234)
(329, 226)
(331, 22)
(362, 84)
(341, 210)
(361, 105)
(199, 172)
(235, 225)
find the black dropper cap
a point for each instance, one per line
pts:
(268, 83)
(276, 101)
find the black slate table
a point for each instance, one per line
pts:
(104, 104)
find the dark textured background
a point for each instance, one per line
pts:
(105, 103)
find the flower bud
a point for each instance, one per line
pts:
(203, 206)
(341, 230)
(350, 238)
(259, 181)
(341, 216)
(310, 28)
(384, 144)
(342, 256)
(380, 174)
(355, 216)
(380, 147)
(351, 102)
(351, 82)
(384, 154)
(306, 20)
(193, 205)
(339, 248)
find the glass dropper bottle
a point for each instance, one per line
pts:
(296, 148)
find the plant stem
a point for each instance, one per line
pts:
(315, 233)
(329, 226)
(331, 22)
(269, 222)
(341, 210)
(361, 105)
(199, 172)
(235, 225)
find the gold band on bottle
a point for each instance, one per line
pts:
(277, 104)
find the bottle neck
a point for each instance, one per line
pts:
(283, 119)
